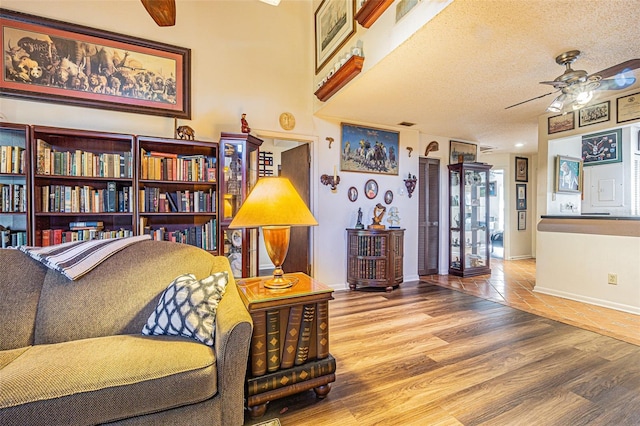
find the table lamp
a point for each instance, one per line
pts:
(275, 206)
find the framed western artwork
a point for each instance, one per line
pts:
(334, 26)
(561, 123)
(522, 169)
(568, 174)
(628, 108)
(369, 150)
(593, 114)
(462, 152)
(602, 148)
(53, 61)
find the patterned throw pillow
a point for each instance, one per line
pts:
(188, 308)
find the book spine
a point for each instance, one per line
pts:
(291, 376)
(322, 331)
(259, 344)
(302, 351)
(273, 340)
(291, 337)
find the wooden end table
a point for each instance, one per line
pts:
(289, 350)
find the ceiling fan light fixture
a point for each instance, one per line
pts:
(584, 98)
(556, 105)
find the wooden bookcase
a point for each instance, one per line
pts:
(14, 185)
(375, 258)
(177, 191)
(82, 185)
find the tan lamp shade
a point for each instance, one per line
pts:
(274, 205)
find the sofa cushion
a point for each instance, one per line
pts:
(119, 295)
(188, 307)
(20, 284)
(104, 379)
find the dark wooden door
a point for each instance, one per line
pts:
(295, 165)
(428, 216)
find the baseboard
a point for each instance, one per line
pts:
(528, 256)
(590, 300)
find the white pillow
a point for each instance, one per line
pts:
(188, 308)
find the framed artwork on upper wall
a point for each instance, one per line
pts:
(334, 26)
(593, 114)
(602, 148)
(369, 150)
(628, 108)
(53, 61)
(462, 152)
(522, 169)
(561, 123)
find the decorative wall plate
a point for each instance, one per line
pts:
(287, 121)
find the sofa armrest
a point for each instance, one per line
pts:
(232, 340)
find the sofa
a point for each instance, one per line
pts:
(72, 352)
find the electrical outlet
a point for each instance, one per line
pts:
(612, 278)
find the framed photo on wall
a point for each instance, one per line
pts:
(568, 174)
(628, 107)
(521, 196)
(334, 26)
(462, 152)
(522, 169)
(369, 150)
(593, 114)
(522, 221)
(561, 123)
(602, 148)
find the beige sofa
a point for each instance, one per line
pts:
(72, 352)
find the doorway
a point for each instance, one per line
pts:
(428, 216)
(496, 213)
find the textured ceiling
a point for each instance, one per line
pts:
(456, 75)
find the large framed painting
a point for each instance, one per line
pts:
(369, 150)
(602, 148)
(53, 61)
(335, 24)
(462, 152)
(568, 174)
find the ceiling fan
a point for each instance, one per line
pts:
(576, 86)
(163, 12)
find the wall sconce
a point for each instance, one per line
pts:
(330, 139)
(331, 180)
(410, 149)
(410, 183)
(433, 146)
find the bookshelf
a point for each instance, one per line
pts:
(375, 258)
(80, 176)
(14, 185)
(178, 191)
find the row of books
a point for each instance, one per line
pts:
(82, 163)
(156, 201)
(10, 238)
(47, 237)
(369, 246)
(167, 166)
(369, 268)
(13, 198)
(85, 199)
(203, 236)
(12, 159)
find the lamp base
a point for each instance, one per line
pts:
(279, 283)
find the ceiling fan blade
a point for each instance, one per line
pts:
(529, 100)
(162, 11)
(618, 83)
(555, 84)
(631, 64)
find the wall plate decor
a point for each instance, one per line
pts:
(628, 107)
(568, 174)
(369, 150)
(462, 152)
(371, 189)
(602, 148)
(352, 193)
(287, 121)
(593, 114)
(522, 169)
(388, 197)
(334, 25)
(120, 72)
(561, 123)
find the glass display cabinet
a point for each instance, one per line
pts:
(238, 175)
(469, 252)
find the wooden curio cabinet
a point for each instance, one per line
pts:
(238, 175)
(375, 258)
(14, 185)
(469, 252)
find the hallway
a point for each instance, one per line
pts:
(511, 283)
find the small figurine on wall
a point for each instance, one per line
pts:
(393, 218)
(245, 126)
(378, 213)
(185, 132)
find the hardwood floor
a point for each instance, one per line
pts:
(429, 355)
